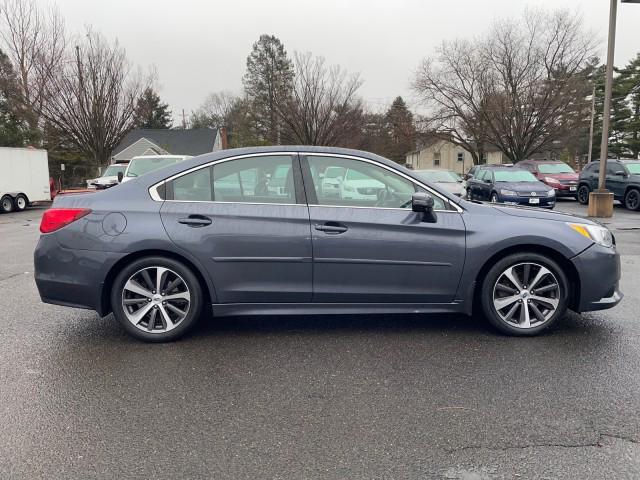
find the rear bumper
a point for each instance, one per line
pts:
(73, 278)
(599, 271)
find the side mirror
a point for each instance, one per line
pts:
(120, 177)
(487, 180)
(423, 203)
(620, 173)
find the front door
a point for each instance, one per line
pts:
(369, 246)
(246, 222)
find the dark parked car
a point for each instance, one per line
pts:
(622, 179)
(513, 186)
(203, 236)
(558, 175)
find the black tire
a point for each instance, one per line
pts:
(489, 284)
(21, 202)
(494, 198)
(181, 328)
(6, 204)
(632, 199)
(583, 195)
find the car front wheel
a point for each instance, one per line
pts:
(494, 198)
(156, 299)
(583, 195)
(524, 293)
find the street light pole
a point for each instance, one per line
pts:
(601, 201)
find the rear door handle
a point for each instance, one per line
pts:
(195, 221)
(332, 228)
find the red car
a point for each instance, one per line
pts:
(558, 175)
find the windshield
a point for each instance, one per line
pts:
(555, 168)
(140, 166)
(112, 170)
(514, 176)
(634, 168)
(440, 176)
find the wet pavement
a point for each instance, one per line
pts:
(316, 397)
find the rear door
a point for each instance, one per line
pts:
(246, 222)
(616, 179)
(369, 246)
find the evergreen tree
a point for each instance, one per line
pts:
(268, 82)
(150, 112)
(14, 127)
(629, 86)
(401, 130)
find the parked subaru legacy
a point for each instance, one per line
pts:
(204, 237)
(510, 185)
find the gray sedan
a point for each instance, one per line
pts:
(446, 179)
(217, 233)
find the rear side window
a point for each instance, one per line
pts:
(194, 186)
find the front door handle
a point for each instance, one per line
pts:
(332, 228)
(195, 221)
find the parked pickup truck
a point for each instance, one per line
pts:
(24, 178)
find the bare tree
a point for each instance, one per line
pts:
(452, 84)
(323, 108)
(34, 39)
(536, 89)
(92, 99)
(215, 111)
(520, 87)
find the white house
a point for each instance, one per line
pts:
(446, 155)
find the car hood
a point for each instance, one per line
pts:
(536, 186)
(528, 212)
(561, 176)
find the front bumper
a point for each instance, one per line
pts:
(542, 202)
(599, 271)
(566, 191)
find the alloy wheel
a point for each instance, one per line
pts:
(156, 299)
(583, 195)
(526, 295)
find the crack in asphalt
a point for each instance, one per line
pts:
(11, 276)
(597, 443)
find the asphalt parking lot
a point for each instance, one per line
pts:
(316, 397)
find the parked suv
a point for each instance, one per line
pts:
(623, 180)
(558, 175)
(510, 185)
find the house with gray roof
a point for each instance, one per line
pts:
(143, 141)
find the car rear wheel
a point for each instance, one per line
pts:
(156, 299)
(524, 293)
(6, 204)
(583, 195)
(20, 202)
(632, 199)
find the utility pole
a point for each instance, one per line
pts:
(593, 114)
(184, 120)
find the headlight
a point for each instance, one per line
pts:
(551, 180)
(349, 188)
(508, 193)
(600, 235)
(551, 193)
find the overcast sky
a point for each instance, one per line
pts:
(199, 47)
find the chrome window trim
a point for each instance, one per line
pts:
(153, 192)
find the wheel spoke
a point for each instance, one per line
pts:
(509, 316)
(539, 276)
(134, 301)
(546, 288)
(525, 321)
(513, 277)
(174, 283)
(526, 273)
(175, 309)
(147, 279)
(167, 323)
(139, 314)
(500, 303)
(135, 287)
(152, 319)
(160, 272)
(506, 288)
(178, 296)
(536, 312)
(548, 302)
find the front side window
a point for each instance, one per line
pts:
(364, 185)
(633, 168)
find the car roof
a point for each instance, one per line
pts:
(160, 156)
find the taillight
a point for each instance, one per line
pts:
(56, 218)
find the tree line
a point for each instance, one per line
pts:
(524, 87)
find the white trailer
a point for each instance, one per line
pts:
(24, 178)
